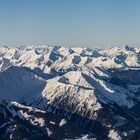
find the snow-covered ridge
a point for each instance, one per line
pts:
(60, 57)
(76, 79)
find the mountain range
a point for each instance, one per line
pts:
(54, 92)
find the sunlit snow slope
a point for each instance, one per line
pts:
(93, 83)
(72, 78)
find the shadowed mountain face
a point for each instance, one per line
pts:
(21, 82)
(47, 92)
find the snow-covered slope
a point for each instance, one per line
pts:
(81, 74)
(81, 81)
(18, 83)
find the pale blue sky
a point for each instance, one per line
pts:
(70, 22)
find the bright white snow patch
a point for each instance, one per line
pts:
(113, 135)
(62, 122)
